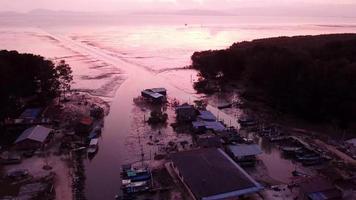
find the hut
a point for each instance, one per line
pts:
(186, 113)
(33, 138)
(244, 154)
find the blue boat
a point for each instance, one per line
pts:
(92, 135)
(137, 175)
(136, 187)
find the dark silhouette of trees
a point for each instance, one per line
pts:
(310, 76)
(64, 76)
(27, 75)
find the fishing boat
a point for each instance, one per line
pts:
(291, 151)
(137, 174)
(136, 187)
(93, 146)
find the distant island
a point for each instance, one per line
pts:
(313, 77)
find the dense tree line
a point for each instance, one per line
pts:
(311, 76)
(26, 75)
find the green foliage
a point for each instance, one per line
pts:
(27, 75)
(311, 76)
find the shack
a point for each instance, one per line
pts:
(186, 113)
(219, 176)
(155, 95)
(209, 141)
(244, 154)
(318, 188)
(161, 91)
(33, 138)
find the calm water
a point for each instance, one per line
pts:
(119, 57)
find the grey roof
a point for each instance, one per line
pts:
(211, 174)
(159, 90)
(210, 125)
(37, 133)
(184, 106)
(245, 150)
(152, 94)
(206, 115)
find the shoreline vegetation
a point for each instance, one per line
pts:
(31, 82)
(311, 77)
(30, 79)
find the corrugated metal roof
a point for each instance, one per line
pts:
(206, 115)
(152, 94)
(37, 133)
(245, 150)
(159, 90)
(211, 174)
(216, 126)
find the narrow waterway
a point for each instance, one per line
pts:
(123, 127)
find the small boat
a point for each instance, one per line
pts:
(308, 158)
(136, 187)
(137, 175)
(291, 150)
(129, 183)
(93, 146)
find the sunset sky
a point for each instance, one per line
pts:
(113, 5)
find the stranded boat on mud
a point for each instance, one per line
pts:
(135, 187)
(135, 180)
(291, 151)
(138, 174)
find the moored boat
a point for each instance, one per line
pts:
(137, 174)
(136, 187)
(93, 146)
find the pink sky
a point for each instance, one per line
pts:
(335, 6)
(112, 5)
